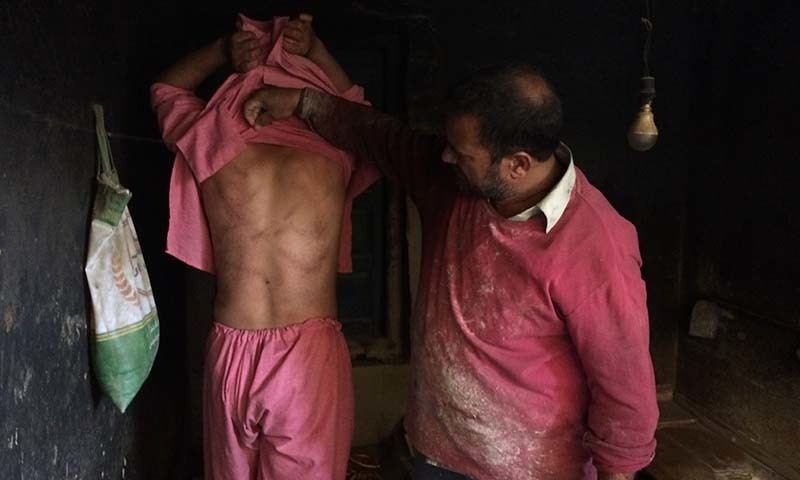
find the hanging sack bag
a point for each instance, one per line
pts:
(124, 326)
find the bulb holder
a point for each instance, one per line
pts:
(648, 90)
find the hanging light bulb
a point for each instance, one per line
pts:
(643, 132)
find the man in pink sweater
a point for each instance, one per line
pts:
(274, 204)
(530, 334)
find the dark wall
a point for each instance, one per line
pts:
(57, 58)
(591, 52)
(744, 225)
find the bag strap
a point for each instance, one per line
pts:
(105, 165)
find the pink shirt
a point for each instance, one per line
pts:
(207, 136)
(530, 349)
(529, 353)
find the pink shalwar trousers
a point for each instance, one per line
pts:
(278, 403)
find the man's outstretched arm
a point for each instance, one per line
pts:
(407, 156)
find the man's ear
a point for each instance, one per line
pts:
(518, 164)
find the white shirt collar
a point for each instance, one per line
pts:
(555, 202)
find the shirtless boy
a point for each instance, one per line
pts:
(277, 391)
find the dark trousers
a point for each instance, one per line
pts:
(425, 471)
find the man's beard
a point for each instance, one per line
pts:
(492, 186)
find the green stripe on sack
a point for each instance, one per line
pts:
(123, 359)
(149, 318)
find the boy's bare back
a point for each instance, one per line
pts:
(275, 216)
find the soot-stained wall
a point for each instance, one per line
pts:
(57, 58)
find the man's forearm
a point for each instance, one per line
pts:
(320, 55)
(190, 71)
(344, 124)
(406, 156)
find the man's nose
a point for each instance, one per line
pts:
(449, 156)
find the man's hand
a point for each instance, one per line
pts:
(269, 104)
(244, 51)
(298, 36)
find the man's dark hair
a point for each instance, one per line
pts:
(516, 108)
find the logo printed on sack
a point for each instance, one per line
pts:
(123, 286)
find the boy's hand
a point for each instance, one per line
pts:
(244, 51)
(298, 36)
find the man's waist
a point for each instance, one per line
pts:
(481, 452)
(484, 402)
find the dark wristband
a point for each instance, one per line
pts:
(300, 108)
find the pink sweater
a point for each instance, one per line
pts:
(529, 353)
(207, 136)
